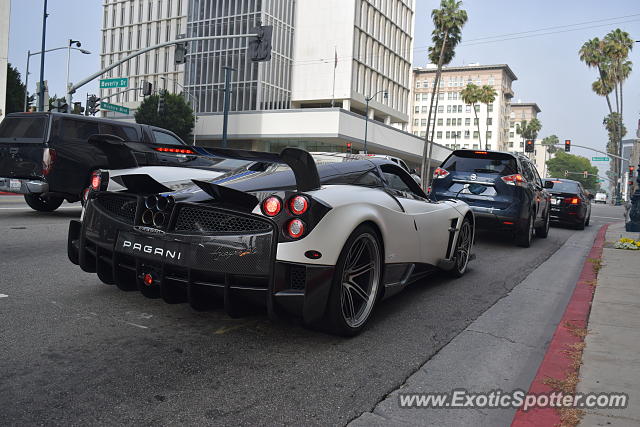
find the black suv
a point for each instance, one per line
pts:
(504, 190)
(49, 157)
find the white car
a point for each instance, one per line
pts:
(323, 237)
(600, 198)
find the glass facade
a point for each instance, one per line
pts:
(255, 86)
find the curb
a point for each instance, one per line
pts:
(556, 362)
(2, 193)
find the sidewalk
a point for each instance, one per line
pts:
(611, 358)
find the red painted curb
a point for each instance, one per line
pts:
(2, 193)
(556, 363)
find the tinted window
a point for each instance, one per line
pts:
(497, 163)
(79, 129)
(127, 133)
(23, 127)
(166, 139)
(526, 171)
(564, 187)
(399, 180)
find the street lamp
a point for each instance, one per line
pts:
(196, 104)
(30, 54)
(366, 114)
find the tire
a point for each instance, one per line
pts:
(543, 231)
(582, 224)
(524, 237)
(462, 251)
(344, 316)
(43, 202)
(586, 223)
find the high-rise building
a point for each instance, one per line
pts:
(520, 111)
(457, 124)
(129, 25)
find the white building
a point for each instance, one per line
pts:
(5, 15)
(128, 25)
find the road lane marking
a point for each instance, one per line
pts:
(136, 325)
(3, 296)
(606, 217)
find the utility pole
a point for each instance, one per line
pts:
(44, 38)
(227, 92)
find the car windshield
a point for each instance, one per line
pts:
(13, 128)
(481, 162)
(564, 187)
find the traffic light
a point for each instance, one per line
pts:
(180, 54)
(529, 146)
(77, 108)
(567, 145)
(161, 103)
(93, 104)
(259, 47)
(58, 106)
(349, 147)
(147, 88)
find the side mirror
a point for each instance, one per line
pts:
(590, 196)
(548, 184)
(414, 172)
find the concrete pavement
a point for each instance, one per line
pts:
(611, 358)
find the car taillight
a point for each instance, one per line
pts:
(295, 228)
(96, 180)
(572, 201)
(48, 159)
(440, 173)
(515, 179)
(175, 150)
(298, 205)
(271, 206)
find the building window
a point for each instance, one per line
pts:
(511, 136)
(490, 108)
(424, 109)
(439, 122)
(439, 134)
(467, 134)
(512, 124)
(511, 144)
(475, 134)
(476, 122)
(467, 108)
(440, 108)
(441, 96)
(489, 133)
(418, 84)
(489, 121)
(416, 109)
(449, 122)
(448, 135)
(477, 107)
(448, 108)
(459, 121)
(416, 122)
(467, 121)
(423, 122)
(417, 97)
(425, 96)
(475, 146)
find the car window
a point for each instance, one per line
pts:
(399, 180)
(526, 171)
(127, 133)
(404, 166)
(564, 187)
(481, 162)
(79, 129)
(23, 127)
(536, 175)
(166, 139)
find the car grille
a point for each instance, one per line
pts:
(204, 220)
(122, 207)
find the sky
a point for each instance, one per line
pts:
(545, 62)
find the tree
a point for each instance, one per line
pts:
(528, 129)
(575, 165)
(178, 116)
(487, 96)
(15, 91)
(592, 53)
(471, 96)
(448, 22)
(550, 142)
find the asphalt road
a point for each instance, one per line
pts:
(75, 351)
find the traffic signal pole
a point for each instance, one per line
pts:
(110, 67)
(593, 149)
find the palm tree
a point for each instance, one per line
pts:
(549, 142)
(448, 22)
(592, 53)
(529, 130)
(487, 96)
(471, 96)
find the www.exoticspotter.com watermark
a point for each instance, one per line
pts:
(516, 399)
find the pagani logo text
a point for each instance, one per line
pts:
(148, 249)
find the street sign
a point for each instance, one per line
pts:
(600, 180)
(599, 159)
(113, 107)
(112, 83)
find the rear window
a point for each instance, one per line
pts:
(79, 129)
(127, 133)
(13, 128)
(498, 163)
(166, 139)
(564, 187)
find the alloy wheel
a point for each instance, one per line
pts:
(463, 247)
(360, 280)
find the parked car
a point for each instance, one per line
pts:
(323, 237)
(570, 203)
(504, 191)
(50, 157)
(600, 198)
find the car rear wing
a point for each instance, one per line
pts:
(300, 161)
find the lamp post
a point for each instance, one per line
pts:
(44, 37)
(196, 105)
(366, 114)
(30, 54)
(78, 44)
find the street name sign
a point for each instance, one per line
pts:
(113, 83)
(113, 107)
(599, 159)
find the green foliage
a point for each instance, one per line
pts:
(472, 95)
(178, 116)
(15, 91)
(577, 164)
(550, 142)
(530, 129)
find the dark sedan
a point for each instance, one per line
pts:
(570, 203)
